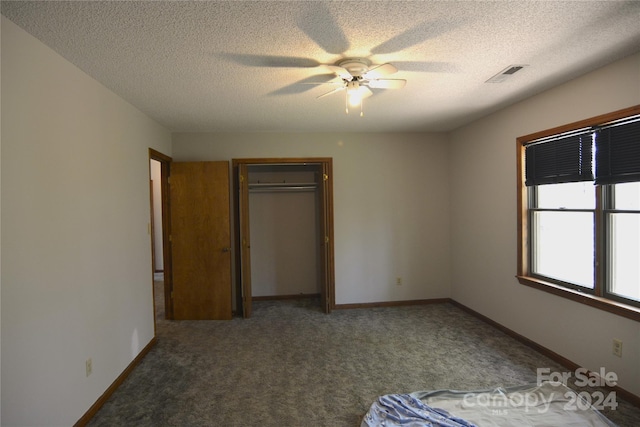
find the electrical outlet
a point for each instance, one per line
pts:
(399, 281)
(89, 366)
(617, 347)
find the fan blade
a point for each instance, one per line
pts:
(365, 92)
(343, 73)
(340, 83)
(387, 83)
(322, 79)
(331, 92)
(307, 84)
(334, 81)
(380, 71)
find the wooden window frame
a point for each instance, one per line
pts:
(524, 276)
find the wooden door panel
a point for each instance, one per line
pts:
(201, 240)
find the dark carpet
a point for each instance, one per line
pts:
(292, 365)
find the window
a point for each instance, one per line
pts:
(622, 250)
(562, 218)
(579, 211)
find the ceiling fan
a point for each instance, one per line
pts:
(356, 76)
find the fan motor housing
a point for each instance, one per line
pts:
(355, 66)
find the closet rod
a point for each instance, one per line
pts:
(281, 186)
(283, 190)
(252, 165)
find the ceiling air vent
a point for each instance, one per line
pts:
(506, 73)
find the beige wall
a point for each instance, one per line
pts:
(76, 254)
(484, 224)
(391, 204)
(284, 243)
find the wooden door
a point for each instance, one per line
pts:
(200, 240)
(245, 242)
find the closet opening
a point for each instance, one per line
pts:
(284, 231)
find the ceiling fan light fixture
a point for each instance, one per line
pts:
(354, 94)
(358, 76)
(354, 100)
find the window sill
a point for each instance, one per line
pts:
(605, 304)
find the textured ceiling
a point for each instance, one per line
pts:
(241, 66)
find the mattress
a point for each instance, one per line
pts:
(545, 404)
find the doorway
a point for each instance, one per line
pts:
(291, 255)
(159, 165)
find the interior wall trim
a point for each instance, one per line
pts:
(393, 303)
(284, 297)
(93, 410)
(569, 364)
